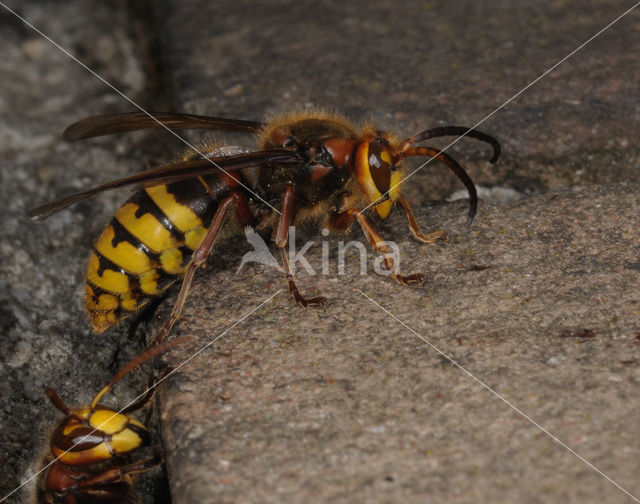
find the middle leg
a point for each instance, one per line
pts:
(282, 236)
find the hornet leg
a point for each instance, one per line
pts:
(440, 234)
(282, 236)
(234, 200)
(341, 222)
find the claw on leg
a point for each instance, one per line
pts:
(409, 279)
(293, 289)
(440, 234)
(378, 244)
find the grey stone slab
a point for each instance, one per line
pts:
(539, 302)
(45, 339)
(343, 403)
(420, 64)
(347, 405)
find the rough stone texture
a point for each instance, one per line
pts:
(347, 405)
(425, 64)
(45, 339)
(348, 397)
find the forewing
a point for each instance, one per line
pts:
(173, 173)
(110, 124)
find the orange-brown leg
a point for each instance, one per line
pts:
(341, 222)
(66, 485)
(115, 482)
(282, 236)
(234, 200)
(440, 234)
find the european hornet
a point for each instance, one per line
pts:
(97, 435)
(307, 166)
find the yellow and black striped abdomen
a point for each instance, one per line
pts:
(147, 246)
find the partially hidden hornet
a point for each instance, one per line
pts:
(306, 166)
(90, 443)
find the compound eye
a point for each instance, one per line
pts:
(380, 165)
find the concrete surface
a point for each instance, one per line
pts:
(540, 302)
(346, 404)
(45, 337)
(414, 65)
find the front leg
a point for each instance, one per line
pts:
(440, 234)
(282, 236)
(341, 222)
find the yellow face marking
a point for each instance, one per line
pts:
(88, 456)
(171, 261)
(112, 281)
(146, 228)
(108, 421)
(124, 254)
(127, 440)
(194, 238)
(383, 209)
(183, 217)
(363, 174)
(123, 439)
(96, 454)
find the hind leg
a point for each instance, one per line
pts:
(235, 201)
